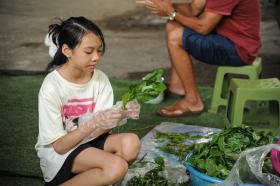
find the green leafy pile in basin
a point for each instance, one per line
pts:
(217, 157)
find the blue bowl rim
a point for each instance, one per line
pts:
(195, 172)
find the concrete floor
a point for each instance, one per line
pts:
(135, 39)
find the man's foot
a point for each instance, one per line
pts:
(181, 108)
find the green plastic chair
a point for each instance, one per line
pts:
(264, 116)
(222, 81)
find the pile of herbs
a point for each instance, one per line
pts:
(147, 89)
(217, 157)
(153, 177)
(174, 142)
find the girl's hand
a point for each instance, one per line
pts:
(109, 118)
(158, 7)
(101, 120)
(133, 109)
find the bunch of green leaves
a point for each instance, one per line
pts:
(147, 89)
(152, 177)
(173, 137)
(174, 142)
(217, 157)
(177, 149)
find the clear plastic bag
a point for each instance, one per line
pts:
(248, 168)
(175, 171)
(137, 171)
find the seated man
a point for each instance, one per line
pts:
(219, 32)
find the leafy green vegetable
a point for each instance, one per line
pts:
(147, 89)
(176, 149)
(153, 177)
(173, 137)
(217, 157)
(175, 141)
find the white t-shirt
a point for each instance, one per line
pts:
(61, 103)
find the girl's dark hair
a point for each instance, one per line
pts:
(71, 32)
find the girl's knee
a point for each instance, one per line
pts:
(117, 170)
(131, 146)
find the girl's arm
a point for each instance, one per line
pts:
(99, 123)
(70, 140)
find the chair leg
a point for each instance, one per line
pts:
(237, 109)
(216, 97)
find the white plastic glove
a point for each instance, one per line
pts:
(106, 119)
(119, 107)
(85, 126)
(133, 109)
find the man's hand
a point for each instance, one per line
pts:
(158, 7)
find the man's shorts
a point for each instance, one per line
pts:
(211, 49)
(65, 172)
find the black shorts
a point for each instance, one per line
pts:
(65, 172)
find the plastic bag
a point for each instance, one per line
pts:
(175, 171)
(138, 171)
(248, 168)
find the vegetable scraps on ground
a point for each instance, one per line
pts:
(147, 89)
(175, 142)
(214, 158)
(153, 177)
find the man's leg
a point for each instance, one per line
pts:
(175, 84)
(182, 68)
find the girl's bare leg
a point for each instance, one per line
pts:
(97, 167)
(108, 166)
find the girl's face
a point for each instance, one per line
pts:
(85, 55)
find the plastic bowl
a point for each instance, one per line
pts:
(275, 159)
(156, 100)
(200, 179)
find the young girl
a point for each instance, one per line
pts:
(76, 113)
